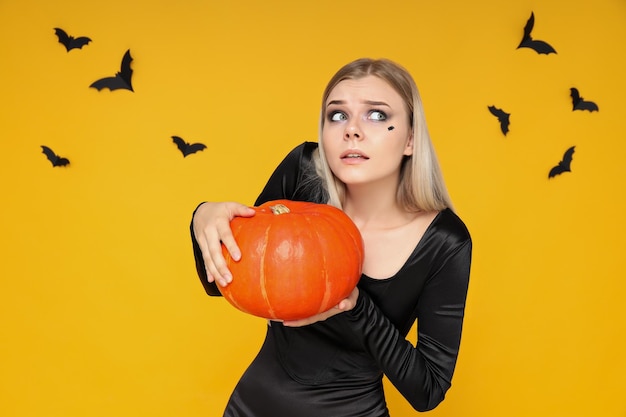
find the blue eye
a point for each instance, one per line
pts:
(337, 116)
(377, 115)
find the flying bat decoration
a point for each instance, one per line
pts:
(121, 80)
(578, 103)
(187, 148)
(503, 118)
(71, 42)
(55, 159)
(564, 165)
(540, 47)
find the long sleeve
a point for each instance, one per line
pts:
(423, 373)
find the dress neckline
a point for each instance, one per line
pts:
(428, 231)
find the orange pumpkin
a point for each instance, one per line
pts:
(298, 259)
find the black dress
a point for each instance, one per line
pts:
(335, 367)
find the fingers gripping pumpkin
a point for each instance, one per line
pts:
(298, 259)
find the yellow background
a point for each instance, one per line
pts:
(101, 311)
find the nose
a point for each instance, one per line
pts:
(352, 132)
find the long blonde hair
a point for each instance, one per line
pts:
(421, 187)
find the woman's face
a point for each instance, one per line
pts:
(366, 131)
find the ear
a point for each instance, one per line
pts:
(408, 149)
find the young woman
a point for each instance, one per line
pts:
(376, 162)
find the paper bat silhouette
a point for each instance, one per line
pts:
(71, 42)
(187, 148)
(121, 80)
(55, 159)
(503, 118)
(540, 47)
(564, 165)
(578, 103)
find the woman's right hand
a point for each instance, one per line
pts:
(211, 227)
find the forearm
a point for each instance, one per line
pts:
(404, 365)
(209, 287)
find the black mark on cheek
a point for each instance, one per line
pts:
(390, 128)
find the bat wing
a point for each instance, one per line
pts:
(504, 125)
(567, 157)
(64, 39)
(126, 72)
(79, 42)
(530, 23)
(556, 171)
(575, 95)
(112, 83)
(494, 110)
(587, 105)
(181, 144)
(52, 157)
(540, 47)
(196, 147)
(61, 162)
(503, 118)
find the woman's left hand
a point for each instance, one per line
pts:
(346, 304)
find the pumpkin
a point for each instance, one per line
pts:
(298, 259)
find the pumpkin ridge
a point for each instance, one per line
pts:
(262, 275)
(351, 238)
(349, 242)
(324, 267)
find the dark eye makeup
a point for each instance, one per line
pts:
(377, 115)
(374, 115)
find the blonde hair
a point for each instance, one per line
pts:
(421, 187)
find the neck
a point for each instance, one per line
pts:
(373, 205)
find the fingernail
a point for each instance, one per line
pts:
(228, 278)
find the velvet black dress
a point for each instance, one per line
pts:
(334, 368)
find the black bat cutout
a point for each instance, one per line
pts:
(187, 148)
(540, 47)
(578, 103)
(564, 165)
(503, 118)
(121, 80)
(55, 159)
(71, 42)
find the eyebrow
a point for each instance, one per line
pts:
(370, 102)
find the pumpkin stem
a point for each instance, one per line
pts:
(279, 209)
